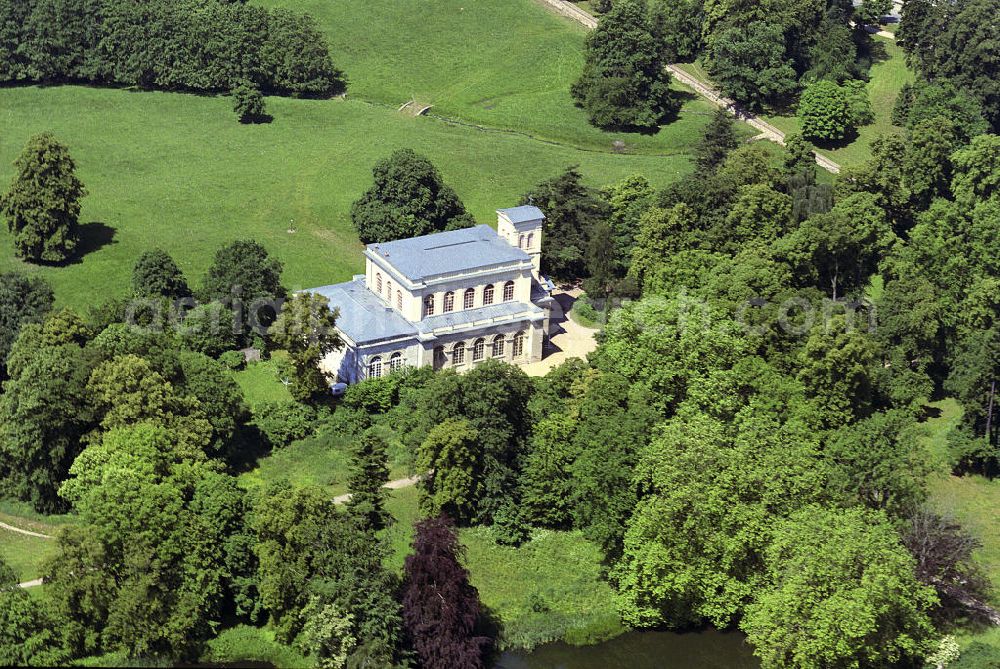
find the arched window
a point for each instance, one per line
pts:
(478, 350)
(378, 283)
(399, 300)
(449, 301)
(395, 362)
(469, 300)
(429, 305)
(520, 242)
(439, 357)
(375, 368)
(488, 294)
(458, 353)
(498, 346)
(518, 347)
(388, 290)
(531, 239)
(508, 291)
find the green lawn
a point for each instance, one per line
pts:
(25, 554)
(260, 384)
(548, 589)
(177, 171)
(887, 78)
(499, 64)
(972, 500)
(22, 552)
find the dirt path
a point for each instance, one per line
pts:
(767, 130)
(11, 528)
(391, 485)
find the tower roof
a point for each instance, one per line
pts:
(522, 214)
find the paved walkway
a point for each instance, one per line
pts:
(767, 131)
(569, 339)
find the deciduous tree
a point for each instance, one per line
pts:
(827, 567)
(408, 199)
(42, 206)
(440, 607)
(624, 83)
(306, 328)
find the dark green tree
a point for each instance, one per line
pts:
(155, 274)
(244, 276)
(42, 206)
(718, 139)
(877, 461)
(749, 64)
(572, 209)
(23, 300)
(408, 199)
(248, 103)
(624, 83)
(44, 413)
(366, 482)
(210, 328)
(825, 112)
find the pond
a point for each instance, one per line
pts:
(707, 649)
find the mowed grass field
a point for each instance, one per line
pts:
(503, 64)
(178, 172)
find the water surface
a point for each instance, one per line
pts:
(708, 649)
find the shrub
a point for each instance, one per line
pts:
(248, 103)
(234, 360)
(281, 424)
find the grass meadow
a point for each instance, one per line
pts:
(177, 171)
(497, 64)
(24, 553)
(971, 500)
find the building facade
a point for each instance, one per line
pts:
(451, 300)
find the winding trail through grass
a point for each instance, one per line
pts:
(11, 528)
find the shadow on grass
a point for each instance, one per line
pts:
(247, 447)
(833, 144)
(91, 237)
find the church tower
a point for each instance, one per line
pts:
(522, 227)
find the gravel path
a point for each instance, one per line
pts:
(767, 130)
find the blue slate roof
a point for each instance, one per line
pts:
(493, 312)
(450, 252)
(522, 214)
(363, 316)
